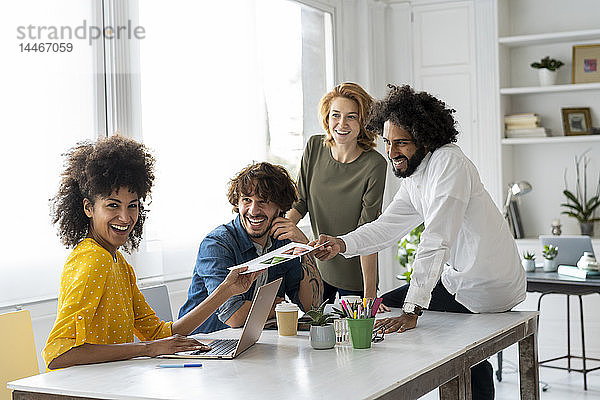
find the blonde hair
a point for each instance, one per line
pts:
(352, 91)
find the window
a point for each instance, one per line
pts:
(48, 104)
(223, 85)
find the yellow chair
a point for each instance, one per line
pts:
(17, 350)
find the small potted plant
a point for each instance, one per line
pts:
(528, 261)
(322, 332)
(547, 70)
(550, 253)
(580, 204)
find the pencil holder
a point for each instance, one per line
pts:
(361, 332)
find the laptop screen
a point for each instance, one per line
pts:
(570, 248)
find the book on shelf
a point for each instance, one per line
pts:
(521, 126)
(515, 220)
(523, 119)
(577, 272)
(530, 132)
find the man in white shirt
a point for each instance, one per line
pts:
(467, 260)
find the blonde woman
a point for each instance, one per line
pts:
(340, 186)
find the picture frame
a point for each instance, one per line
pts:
(586, 63)
(577, 121)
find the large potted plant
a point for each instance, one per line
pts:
(322, 332)
(547, 70)
(580, 204)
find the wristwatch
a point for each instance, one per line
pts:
(412, 309)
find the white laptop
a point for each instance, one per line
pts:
(231, 348)
(570, 247)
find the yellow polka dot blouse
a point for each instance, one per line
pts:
(99, 302)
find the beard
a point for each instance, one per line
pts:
(412, 163)
(254, 233)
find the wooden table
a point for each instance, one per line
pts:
(553, 283)
(438, 353)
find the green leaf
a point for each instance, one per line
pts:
(592, 204)
(568, 205)
(314, 314)
(576, 216)
(528, 255)
(572, 197)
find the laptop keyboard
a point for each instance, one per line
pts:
(219, 347)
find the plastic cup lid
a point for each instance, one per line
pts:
(286, 307)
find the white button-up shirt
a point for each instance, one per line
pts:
(466, 241)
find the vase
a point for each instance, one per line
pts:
(322, 337)
(529, 265)
(547, 77)
(550, 265)
(587, 228)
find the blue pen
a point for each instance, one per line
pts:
(178, 365)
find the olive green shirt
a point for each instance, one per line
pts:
(340, 197)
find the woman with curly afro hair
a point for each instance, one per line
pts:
(467, 260)
(99, 208)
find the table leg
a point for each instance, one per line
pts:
(499, 372)
(582, 343)
(528, 367)
(568, 334)
(457, 388)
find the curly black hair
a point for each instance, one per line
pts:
(427, 119)
(267, 181)
(95, 170)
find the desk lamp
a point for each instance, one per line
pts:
(515, 189)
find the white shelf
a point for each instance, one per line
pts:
(552, 139)
(550, 89)
(549, 38)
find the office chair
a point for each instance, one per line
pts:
(17, 348)
(158, 298)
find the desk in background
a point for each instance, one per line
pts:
(553, 283)
(438, 353)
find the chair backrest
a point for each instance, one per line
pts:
(158, 298)
(17, 350)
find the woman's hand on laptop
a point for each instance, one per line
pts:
(173, 344)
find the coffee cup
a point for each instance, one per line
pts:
(287, 319)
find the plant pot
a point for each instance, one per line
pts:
(547, 77)
(361, 332)
(587, 228)
(529, 265)
(322, 337)
(550, 265)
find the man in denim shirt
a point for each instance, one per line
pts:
(261, 194)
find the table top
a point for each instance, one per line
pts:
(556, 278)
(278, 367)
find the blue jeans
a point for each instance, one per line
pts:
(482, 374)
